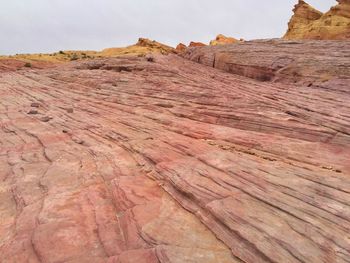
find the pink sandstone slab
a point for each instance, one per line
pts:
(171, 161)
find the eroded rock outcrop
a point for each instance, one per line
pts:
(309, 23)
(142, 47)
(172, 161)
(223, 40)
(154, 45)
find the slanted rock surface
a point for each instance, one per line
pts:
(173, 161)
(309, 23)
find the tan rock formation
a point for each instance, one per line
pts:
(309, 23)
(223, 40)
(142, 47)
(154, 45)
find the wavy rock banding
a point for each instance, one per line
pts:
(132, 160)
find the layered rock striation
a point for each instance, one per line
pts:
(127, 159)
(314, 63)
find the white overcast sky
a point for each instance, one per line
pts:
(33, 26)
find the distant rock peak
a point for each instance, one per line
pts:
(196, 44)
(343, 1)
(181, 47)
(306, 11)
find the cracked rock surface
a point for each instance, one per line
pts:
(128, 160)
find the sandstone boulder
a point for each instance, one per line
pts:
(142, 47)
(223, 40)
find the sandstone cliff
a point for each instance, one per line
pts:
(309, 23)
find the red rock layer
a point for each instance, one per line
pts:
(196, 44)
(181, 47)
(98, 160)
